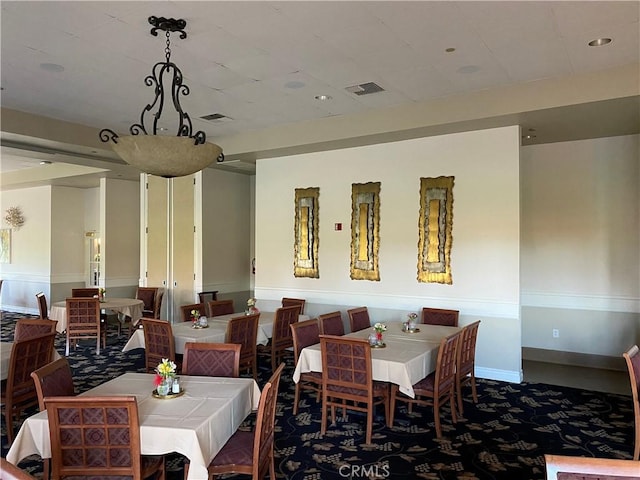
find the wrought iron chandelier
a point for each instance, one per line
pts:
(162, 155)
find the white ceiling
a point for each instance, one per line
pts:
(262, 63)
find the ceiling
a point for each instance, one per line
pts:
(262, 64)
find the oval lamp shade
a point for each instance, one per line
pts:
(166, 156)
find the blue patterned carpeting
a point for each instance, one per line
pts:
(503, 437)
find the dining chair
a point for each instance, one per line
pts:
(19, 392)
(243, 329)
(438, 387)
(289, 302)
(466, 363)
(331, 323)
(159, 342)
(359, 319)
(152, 300)
(632, 358)
(281, 340)
(33, 327)
(42, 305)
(215, 308)
(440, 316)
(207, 296)
(186, 311)
(8, 471)
(211, 359)
(251, 453)
(85, 292)
(98, 437)
(347, 380)
(84, 322)
(52, 380)
(563, 467)
(305, 333)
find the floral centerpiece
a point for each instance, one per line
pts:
(165, 371)
(251, 306)
(195, 315)
(379, 328)
(101, 293)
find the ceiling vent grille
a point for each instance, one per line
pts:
(365, 88)
(215, 117)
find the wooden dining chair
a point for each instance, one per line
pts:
(632, 358)
(331, 323)
(159, 343)
(290, 302)
(440, 316)
(359, 319)
(347, 380)
(8, 471)
(85, 292)
(84, 322)
(304, 334)
(152, 301)
(19, 392)
(186, 311)
(53, 380)
(98, 437)
(208, 296)
(281, 340)
(243, 329)
(33, 327)
(437, 388)
(211, 359)
(563, 467)
(466, 363)
(251, 453)
(215, 308)
(42, 305)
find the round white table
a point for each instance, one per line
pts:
(131, 307)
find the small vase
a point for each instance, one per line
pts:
(164, 388)
(379, 337)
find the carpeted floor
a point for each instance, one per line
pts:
(503, 437)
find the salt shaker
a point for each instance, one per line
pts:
(175, 387)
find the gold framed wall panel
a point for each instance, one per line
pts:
(435, 225)
(306, 231)
(365, 231)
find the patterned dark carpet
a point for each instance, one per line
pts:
(503, 437)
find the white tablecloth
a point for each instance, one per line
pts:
(407, 358)
(5, 358)
(196, 425)
(265, 322)
(130, 307)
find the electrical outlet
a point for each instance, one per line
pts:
(556, 333)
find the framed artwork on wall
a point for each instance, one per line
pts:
(306, 240)
(434, 225)
(365, 231)
(5, 245)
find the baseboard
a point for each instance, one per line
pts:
(574, 359)
(500, 375)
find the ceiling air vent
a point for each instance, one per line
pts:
(215, 117)
(365, 88)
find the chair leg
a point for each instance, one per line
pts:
(8, 421)
(459, 395)
(296, 399)
(436, 416)
(323, 423)
(392, 404)
(369, 424)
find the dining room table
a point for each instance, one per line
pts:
(406, 358)
(196, 424)
(131, 307)
(5, 358)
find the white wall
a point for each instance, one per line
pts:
(581, 245)
(30, 269)
(485, 254)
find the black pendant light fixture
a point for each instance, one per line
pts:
(164, 155)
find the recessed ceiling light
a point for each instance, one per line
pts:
(323, 97)
(52, 67)
(45, 162)
(450, 50)
(598, 42)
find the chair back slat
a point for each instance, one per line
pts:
(89, 292)
(186, 311)
(53, 380)
(632, 358)
(290, 302)
(152, 300)
(467, 349)
(42, 305)
(208, 296)
(440, 316)
(159, 342)
(359, 319)
(211, 359)
(331, 323)
(33, 327)
(243, 329)
(304, 334)
(215, 308)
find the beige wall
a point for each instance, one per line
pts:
(581, 245)
(485, 255)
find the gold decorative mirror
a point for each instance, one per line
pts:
(365, 228)
(434, 226)
(306, 233)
